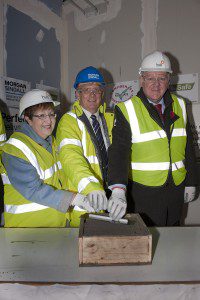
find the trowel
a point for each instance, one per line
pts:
(108, 219)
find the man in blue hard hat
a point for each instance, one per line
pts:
(83, 136)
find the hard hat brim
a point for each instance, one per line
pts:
(91, 81)
(154, 70)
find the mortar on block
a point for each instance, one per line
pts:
(114, 243)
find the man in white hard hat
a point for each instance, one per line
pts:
(33, 192)
(152, 146)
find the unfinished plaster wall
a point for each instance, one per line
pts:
(31, 44)
(113, 44)
(118, 41)
(29, 57)
(178, 33)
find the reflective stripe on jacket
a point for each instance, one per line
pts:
(2, 137)
(152, 155)
(20, 212)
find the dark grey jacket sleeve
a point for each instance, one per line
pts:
(119, 152)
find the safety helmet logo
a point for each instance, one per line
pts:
(160, 64)
(93, 76)
(47, 97)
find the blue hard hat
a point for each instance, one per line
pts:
(89, 74)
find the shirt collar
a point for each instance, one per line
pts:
(160, 102)
(88, 114)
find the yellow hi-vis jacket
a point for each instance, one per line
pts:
(18, 211)
(78, 157)
(152, 155)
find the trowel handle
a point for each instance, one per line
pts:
(104, 218)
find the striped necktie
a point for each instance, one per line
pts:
(99, 136)
(159, 109)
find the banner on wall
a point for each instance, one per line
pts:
(185, 86)
(11, 91)
(120, 92)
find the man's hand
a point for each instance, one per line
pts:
(117, 204)
(189, 195)
(98, 200)
(82, 202)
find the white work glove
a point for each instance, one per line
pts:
(82, 202)
(117, 204)
(189, 195)
(98, 200)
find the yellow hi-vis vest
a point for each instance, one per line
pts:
(78, 156)
(152, 156)
(18, 211)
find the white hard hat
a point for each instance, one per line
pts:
(155, 61)
(34, 97)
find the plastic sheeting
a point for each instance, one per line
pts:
(9, 291)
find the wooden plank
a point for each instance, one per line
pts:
(122, 250)
(80, 240)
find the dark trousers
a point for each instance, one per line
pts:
(158, 206)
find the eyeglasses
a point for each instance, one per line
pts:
(43, 116)
(152, 80)
(86, 92)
